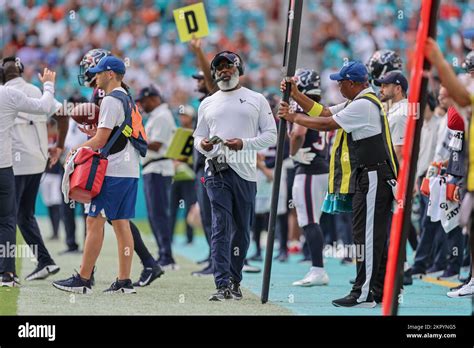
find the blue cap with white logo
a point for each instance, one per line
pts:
(354, 71)
(109, 63)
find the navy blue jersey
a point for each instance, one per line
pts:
(270, 153)
(318, 143)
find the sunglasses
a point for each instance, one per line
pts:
(223, 66)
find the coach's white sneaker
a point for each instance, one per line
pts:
(315, 276)
(43, 272)
(467, 290)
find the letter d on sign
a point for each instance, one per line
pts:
(191, 21)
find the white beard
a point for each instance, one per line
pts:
(231, 83)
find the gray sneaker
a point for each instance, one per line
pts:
(222, 294)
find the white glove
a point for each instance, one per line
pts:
(304, 156)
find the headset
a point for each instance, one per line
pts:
(233, 57)
(18, 64)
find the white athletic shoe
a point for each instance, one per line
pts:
(43, 272)
(315, 276)
(467, 290)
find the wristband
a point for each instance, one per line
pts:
(316, 110)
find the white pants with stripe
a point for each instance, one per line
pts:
(308, 197)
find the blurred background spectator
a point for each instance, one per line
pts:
(58, 32)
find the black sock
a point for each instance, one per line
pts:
(260, 224)
(55, 216)
(315, 240)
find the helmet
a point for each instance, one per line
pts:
(308, 82)
(468, 63)
(383, 61)
(90, 59)
(230, 56)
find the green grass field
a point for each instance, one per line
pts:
(175, 293)
(9, 296)
(179, 293)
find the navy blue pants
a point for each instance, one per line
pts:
(436, 247)
(233, 207)
(182, 191)
(7, 219)
(204, 207)
(157, 195)
(26, 190)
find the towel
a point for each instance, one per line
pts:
(68, 170)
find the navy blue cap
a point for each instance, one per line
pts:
(353, 70)
(199, 75)
(109, 63)
(231, 57)
(393, 77)
(149, 91)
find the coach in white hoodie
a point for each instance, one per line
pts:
(11, 103)
(30, 155)
(244, 121)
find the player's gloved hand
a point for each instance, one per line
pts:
(303, 156)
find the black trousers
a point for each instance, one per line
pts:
(371, 204)
(68, 212)
(26, 190)
(7, 220)
(182, 192)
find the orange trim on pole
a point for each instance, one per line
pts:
(413, 99)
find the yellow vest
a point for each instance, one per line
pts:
(343, 162)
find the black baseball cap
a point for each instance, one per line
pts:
(393, 77)
(199, 75)
(149, 91)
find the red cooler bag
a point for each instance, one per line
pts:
(89, 171)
